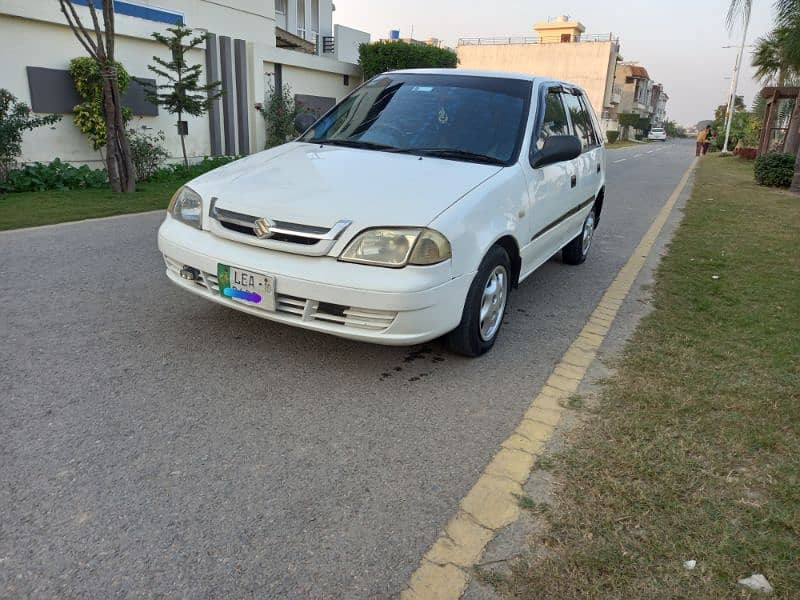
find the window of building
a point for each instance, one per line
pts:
(281, 6)
(314, 17)
(301, 18)
(566, 38)
(581, 121)
(555, 118)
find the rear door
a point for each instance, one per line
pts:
(553, 189)
(589, 165)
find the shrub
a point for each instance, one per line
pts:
(39, 177)
(16, 117)
(612, 136)
(746, 153)
(775, 169)
(380, 57)
(148, 152)
(279, 111)
(184, 173)
(88, 115)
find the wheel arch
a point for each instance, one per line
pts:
(598, 204)
(509, 244)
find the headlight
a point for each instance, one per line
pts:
(397, 247)
(187, 206)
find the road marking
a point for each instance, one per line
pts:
(445, 570)
(109, 218)
(636, 155)
(620, 160)
(650, 151)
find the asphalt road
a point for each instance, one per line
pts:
(154, 444)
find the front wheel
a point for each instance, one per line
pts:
(485, 306)
(577, 250)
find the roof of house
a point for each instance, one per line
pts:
(639, 72)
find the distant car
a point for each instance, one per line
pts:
(409, 211)
(657, 134)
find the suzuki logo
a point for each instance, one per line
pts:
(262, 228)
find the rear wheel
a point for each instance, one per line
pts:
(577, 250)
(485, 306)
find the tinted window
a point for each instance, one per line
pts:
(425, 113)
(555, 119)
(581, 121)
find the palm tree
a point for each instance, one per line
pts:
(771, 59)
(787, 38)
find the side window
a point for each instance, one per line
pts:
(581, 121)
(555, 119)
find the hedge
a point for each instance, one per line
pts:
(380, 57)
(775, 169)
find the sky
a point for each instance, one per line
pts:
(680, 42)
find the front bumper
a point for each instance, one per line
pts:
(385, 306)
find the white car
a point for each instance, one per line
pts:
(409, 211)
(657, 134)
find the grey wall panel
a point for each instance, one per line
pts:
(242, 96)
(53, 91)
(135, 99)
(212, 74)
(319, 105)
(228, 94)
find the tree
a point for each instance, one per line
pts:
(183, 93)
(100, 45)
(88, 114)
(16, 117)
(626, 121)
(380, 57)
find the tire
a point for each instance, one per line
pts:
(474, 336)
(577, 250)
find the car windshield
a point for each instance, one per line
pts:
(457, 117)
(657, 130)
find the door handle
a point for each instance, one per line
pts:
(574, 181)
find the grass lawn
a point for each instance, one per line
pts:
(693, 450)
(623, 144)
(28, 209)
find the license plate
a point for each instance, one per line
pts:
(246, 287)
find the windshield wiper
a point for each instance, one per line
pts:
(347, 143)
(457, 154)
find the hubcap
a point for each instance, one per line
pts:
(588, 232)
(493, 302)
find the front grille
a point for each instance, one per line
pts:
(305, 309)
(292, 239)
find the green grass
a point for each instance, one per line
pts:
(28, 209)
(694, 452)
(623, 144)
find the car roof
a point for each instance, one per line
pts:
(474, 73)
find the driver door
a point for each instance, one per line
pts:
(553, 189)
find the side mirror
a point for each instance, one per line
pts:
(557, 148)
(304, 121)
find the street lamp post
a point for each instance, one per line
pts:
(735, 84)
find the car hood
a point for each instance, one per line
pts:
(318, 185)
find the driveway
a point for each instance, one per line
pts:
(155, 444)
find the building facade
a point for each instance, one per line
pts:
(252, 45)
(640, 95)
(560, 49)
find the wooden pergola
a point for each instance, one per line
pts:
(773, 96)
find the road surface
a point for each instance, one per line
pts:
(156, 444)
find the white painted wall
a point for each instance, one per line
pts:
(24, 39)
(347, 42)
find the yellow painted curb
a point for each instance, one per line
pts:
(492, 503)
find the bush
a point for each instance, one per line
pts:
(39, 177)
(179, 171)
(612, 136)
(380, 57)
(775, 169)
(279, 112)
(16, 117)
(746, 153)
(148, 152)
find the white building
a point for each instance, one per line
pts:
(251, 42)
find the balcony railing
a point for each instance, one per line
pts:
(535, 39)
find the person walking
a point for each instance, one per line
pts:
(701, 140)
(710, 138)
